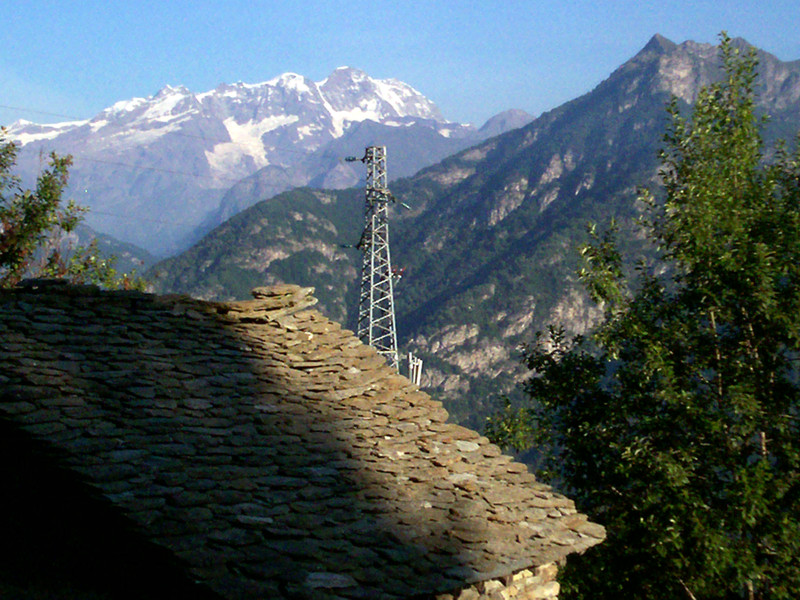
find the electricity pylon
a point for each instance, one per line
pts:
(376, 320)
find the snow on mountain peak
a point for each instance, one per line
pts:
(291, 81)
(24, 132)
(174, 152)
(169, 90)
(260, 119)
(348, 89)
(350, 73)
(125, 105)
(346, 96)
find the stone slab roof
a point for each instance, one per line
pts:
(267, 448)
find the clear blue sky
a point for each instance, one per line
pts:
(472, 58)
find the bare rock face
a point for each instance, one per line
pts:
(576, 312)
(509, 214)
(681, 72)
(682, 69)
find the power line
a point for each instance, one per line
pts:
(92, 211)
(159, 169)
(41, 112)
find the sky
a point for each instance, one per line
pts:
(69, 59)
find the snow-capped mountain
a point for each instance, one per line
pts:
(153, 170)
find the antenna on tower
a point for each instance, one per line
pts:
(376, 320)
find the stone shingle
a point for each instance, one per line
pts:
(267, 448)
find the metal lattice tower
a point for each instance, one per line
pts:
(376, 320)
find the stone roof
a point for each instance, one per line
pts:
(267, 448)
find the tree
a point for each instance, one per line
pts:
(676, 424)
(34, 223)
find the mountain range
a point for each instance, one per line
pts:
(155, 171)
(489, 246)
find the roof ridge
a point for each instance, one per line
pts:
(256, 434)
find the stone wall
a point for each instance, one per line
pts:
(537, 583)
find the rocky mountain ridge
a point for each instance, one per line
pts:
(503, 221)
(154, 170)
(490, 245)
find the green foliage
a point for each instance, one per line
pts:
(33, 223)
(511, 428)
(677, 424)
(294, 237)
(603, 274)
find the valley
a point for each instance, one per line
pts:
(490, 245)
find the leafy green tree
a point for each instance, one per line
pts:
(677, 423)
(33, 224)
